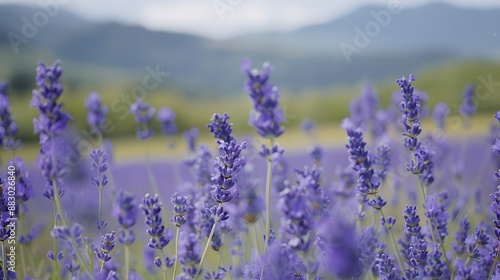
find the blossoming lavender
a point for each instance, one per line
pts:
(392, 208)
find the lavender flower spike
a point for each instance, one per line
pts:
(97, 112)
(125, 212)
(52, 120)
(266, 115)
(167, 117)
(143, 113)
(8, 127)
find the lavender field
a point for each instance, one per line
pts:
(398, 201)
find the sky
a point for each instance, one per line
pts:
(219, 19)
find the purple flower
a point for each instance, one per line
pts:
(441, 112)
(189, 253)
(461, 235)
(412, 222)
(496, 146)
(316, 153)
(497, 116)
(33, 234)
(361, 161)
(385, 267)
(24, 187)
(422, 166)
(437, 216)
(143, 113)
(125, 212)
(369, 247)
(266, 115)
(97, 112)
(220, 127)
(125, 209)
(181, 205)
(307, 126)
(468, 107)
(363, 109)
(99, 167)
(167, 117)
(282, 263)
(337, 248)
(106, 246)
(297, 221)
(201, 165)
(151, 207)
(388, 222)
(190, 136)
(383, 160)
(435, 267)
(8, 127)
(227, 165)
(52, 121)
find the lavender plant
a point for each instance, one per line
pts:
(330, 223)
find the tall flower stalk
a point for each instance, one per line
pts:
(8, 127)
(421, 163)
(125, 212)
(369, 182)
(267, 118)
(99, 180)
(159, 236)
(181, 205)
(226, 166)
(495, 206)
(50, 125)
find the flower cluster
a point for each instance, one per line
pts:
(151, 207)
(266, 116)
(220, 128)
(362, 160)
(167, 117)
(8, 127)
(181, 205)
(125, 212)
(52, 121)
(227, 165)
(143, 113)
(321, 230)
(97, 112)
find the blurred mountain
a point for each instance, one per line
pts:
(308, 58)
(441, 27)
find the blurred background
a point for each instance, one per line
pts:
(187, 55)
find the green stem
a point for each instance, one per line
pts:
(430, 224)
(152, 179)
(33, 266)
(494, 263)
(391, 234)
(100, 211)
(127, 261)
(176, 251)
(268, 204)
(467, 261)
(207, 245)
(255, 238)
(268, 200)
(58, 208)
(56, 263)
(163, 268)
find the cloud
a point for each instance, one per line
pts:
(202, 17)
(245, 16)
